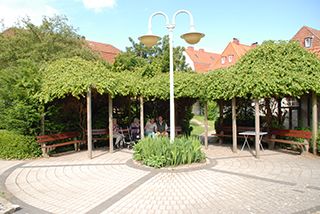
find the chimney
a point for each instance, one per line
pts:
(236, 41)
(190, 48)
(201, 50)
(254, 44)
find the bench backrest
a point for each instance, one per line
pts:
(99, 132)
(55, 137)
(228, 129)
(292, 133)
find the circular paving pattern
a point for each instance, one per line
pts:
(112, 183)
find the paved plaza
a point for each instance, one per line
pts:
(278, 182)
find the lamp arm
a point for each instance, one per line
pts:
(150, 20)
(192, 27)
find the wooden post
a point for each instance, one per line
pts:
(110, 124)
(314, 123)
(206, 125)
(89, 124)
(257, 127)
(234, 125)
(141, 118)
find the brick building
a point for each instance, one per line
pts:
(309, 38)
(231, 54)
(200, 60)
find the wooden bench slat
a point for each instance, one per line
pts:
(62, 144)
(286, 141)
(292, 133)
(56, 137)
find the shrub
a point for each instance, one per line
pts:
(16, 146)
(159, 152)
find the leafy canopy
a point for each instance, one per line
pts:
(274, 69)
(25, 49)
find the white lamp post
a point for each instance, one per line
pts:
(192, 37)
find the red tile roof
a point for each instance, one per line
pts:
(107, 52)
(202, 60)
(305, 32)
(315, 32)
(234, 49)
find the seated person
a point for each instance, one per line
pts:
(161, 127)
(116, 134)
(150, 128)
(135, 129)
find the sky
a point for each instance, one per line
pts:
(114, 21)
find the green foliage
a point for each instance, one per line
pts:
(274, 69)
(24, 50)
(159, 152)
(16, 146)
(213, 111)
(75, 76)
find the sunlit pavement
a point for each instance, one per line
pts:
(111, 183)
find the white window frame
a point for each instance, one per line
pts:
(308, 42)
(223, 60)
(230, 58)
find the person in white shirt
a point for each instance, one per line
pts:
(150, 128)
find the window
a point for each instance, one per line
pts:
(223, 60)
(230, 57)
(308, 42)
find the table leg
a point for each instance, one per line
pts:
(260, 144)
(245, 142)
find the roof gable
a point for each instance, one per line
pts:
(106, 51)
(234, 48)
(202, 59)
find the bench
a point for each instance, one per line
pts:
(99, 134)
(49, 142)
(226, 132)
(288, 136)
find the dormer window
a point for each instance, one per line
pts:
(308, 42)
(230, 58)
(223, 60)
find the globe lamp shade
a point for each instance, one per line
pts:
(149, 40)
(192, 37)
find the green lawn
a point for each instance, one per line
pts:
(198, 129)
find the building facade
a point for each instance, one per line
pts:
(200, 60)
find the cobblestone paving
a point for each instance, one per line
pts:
(234, 183)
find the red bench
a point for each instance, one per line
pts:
(288, 136)
(49, 142)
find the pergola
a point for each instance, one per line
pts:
(77, 77)
(274, 69)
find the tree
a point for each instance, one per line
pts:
(152, 60)
(24, 50)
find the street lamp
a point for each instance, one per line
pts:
(192, 37)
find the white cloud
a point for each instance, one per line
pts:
(99, 5)
(13, 10)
